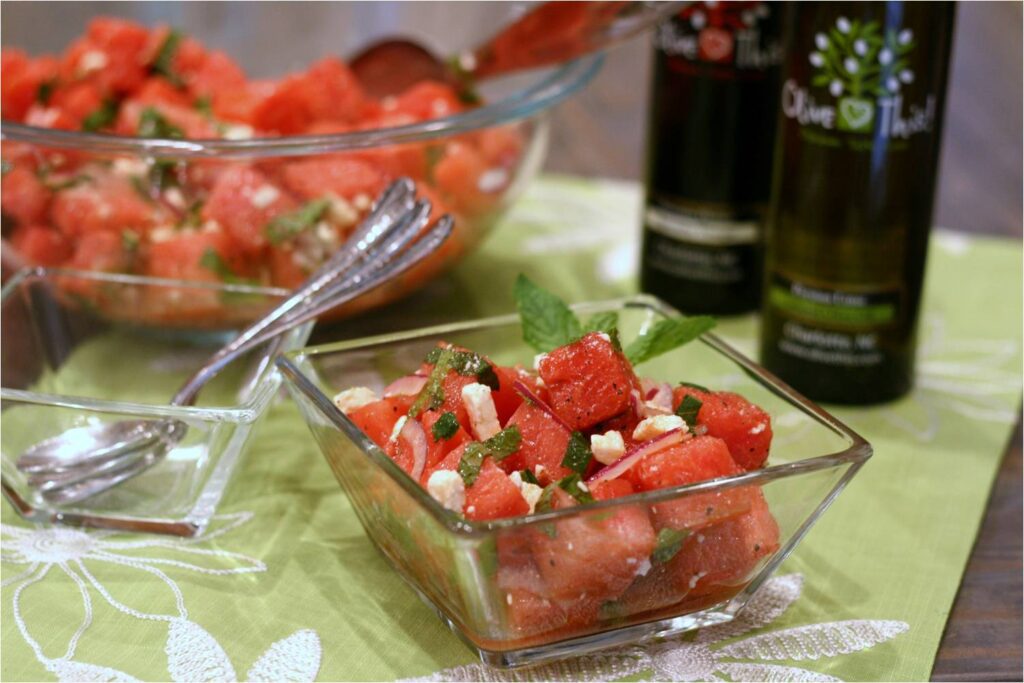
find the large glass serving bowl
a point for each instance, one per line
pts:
(473, 165)
(485, 579)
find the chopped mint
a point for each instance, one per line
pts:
(213, 262)
(163, 63)
(102, 117)
(546, 320)
(529, 477)
(670, 541)
(574, 486)
(45, 90)
(501, 445)
(129, 240)
(577, 453)
(445, 427)
(67, 183)
(432, 394)
(153, 124)
(667, 335)
(698, 387)
(468, 364)
(288, 225)
(688, 409)
(5, 167)
(204, 105)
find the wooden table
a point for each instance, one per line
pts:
(601, 132)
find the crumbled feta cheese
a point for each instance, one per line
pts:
(174, 197)
(492, 180)
(538, 470)
(483, 416)
(448, 489)
(538, 359)
(42, 118)
(508, 599)
(340, 212)
(651, 427)
(212, 226)
(695, 578)
(758, 429)
(471, 509)
(607, 447)
(582, 487)
(126, 166)
(93, 60)
(264, 196)
(644, 567)
(531, 492)
(362, 202)
(162, 233)
(398, 427)
(568, 546)
(323, 232)
(604, 335)
(237, 131)
(353, 398)
(630, 560)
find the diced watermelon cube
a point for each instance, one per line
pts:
(439, 448)
(745, 427)
(543, 444)
(378, 419)
(493, 495)
(244, 201)
(105, 202)
(41, 245)
(342, 177)
(594, 556)
(588, 380)
(24, 197)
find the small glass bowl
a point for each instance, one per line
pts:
(67, 363)
(486, 580)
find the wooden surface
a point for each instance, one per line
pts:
(601, 131)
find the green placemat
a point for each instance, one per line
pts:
(286, 586)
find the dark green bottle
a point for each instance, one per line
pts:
(714, 102)
(856, 161)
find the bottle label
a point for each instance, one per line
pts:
(725, 34)
(861, 73)
(700, 249)
(832, 326)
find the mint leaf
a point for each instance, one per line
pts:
(688, 409)
(290, 224)
(471, 462)
(529, 477)
(670, 541)
(500, 446)
(153, 124)
(204, 105)
(102, 117)
(666, 335)
(213, 262)
(607, 322)
(445, 427)
(698, 387)
(577, 453)
(546, 320)
(432, 393)
(44, 91)
(468, 364)
(163, 63)
(574, 486)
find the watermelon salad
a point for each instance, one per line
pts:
(578, 426)
(267, 222)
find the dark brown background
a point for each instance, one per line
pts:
(601, 131)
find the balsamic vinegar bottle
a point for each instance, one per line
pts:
(714, 102)
(856, 161)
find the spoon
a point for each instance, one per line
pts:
(86, 460)
(551, 33)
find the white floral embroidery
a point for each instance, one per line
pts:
(707, 657)
(192, 652)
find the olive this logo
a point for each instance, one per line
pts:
(866, 70)
(724, 33)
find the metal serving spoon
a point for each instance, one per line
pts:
(87, 460)
(551, 33)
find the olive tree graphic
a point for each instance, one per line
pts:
(857, 63)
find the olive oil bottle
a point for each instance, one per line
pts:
(714, 103)
(855, 166)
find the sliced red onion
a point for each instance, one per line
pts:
(533, 398)
(412, 432)
(410, 385)
(636, 454)
(639, 410)
(661, 399)
(648, 386)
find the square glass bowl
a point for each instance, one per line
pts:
(524, 590)
(69, 362)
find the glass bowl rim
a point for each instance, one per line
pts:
(247, 411)
(858, 451)
(549, 90)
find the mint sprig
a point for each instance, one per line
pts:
(445, 426)
(666, 335)
(500, 446)
(577, 453)
(546, 320)
(669, 543)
